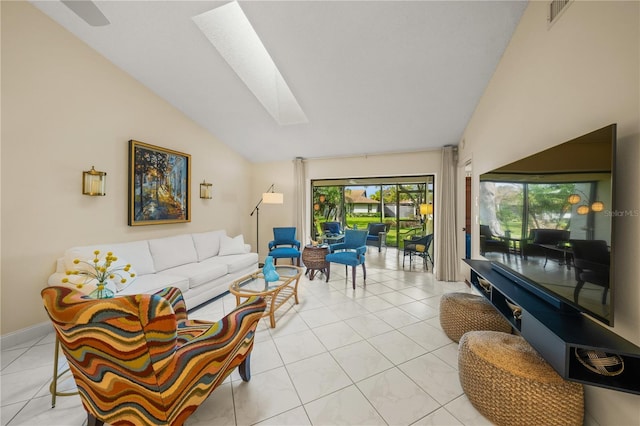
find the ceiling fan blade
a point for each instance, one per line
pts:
(88, 11)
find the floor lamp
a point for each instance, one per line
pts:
(426, 210)
(268, 197)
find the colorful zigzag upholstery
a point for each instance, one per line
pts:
(138, 360)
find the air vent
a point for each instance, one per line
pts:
(556, 7)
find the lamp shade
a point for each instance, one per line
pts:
(573, 199)
(597, 206)
(426, 209)
(272, 197)
(583, 209)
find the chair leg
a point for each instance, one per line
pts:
(53, 386)
(328, 271)
(92, 421)
(353, 272)
(576, 292)
(54, 383)
(244, 368)
(364, 272)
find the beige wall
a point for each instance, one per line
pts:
(64, 109)
(554, 84)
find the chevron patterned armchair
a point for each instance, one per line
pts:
(138, 359)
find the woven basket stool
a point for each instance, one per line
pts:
(462, 312)
(511, 384)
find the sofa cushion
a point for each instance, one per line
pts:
(135, 252)
(170, 252)
(152, 283)
(207, 243)
(235, 262)
(229, 246)
(198, 273)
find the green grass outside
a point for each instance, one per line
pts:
(362, 222)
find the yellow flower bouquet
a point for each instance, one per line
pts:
(100, 271)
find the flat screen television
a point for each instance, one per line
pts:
(539, 216)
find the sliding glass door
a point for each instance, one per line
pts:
(405, 204)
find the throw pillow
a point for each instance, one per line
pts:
(230, 245)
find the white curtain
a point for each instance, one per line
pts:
(446, 252)
(300, 199)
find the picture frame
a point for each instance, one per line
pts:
(159, 185)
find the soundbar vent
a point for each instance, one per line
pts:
(555, 9)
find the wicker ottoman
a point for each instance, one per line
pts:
(511, 384)
(462, 312)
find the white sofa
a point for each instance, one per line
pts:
(201, 265)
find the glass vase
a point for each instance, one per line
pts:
(101, 292)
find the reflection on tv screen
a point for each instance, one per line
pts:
(546, 217)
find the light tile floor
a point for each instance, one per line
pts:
(371, 356)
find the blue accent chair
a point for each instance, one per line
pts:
(350, 252)
(332, 232)
(284, 245)
(377, 235)
(331, 228)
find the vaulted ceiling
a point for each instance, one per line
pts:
(371, 76)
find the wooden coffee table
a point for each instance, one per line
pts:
(276, 294)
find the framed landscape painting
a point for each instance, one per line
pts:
(159, 185)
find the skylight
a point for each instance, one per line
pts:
(231, 33)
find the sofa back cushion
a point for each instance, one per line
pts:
(207, 243)
(135, 253)
(170, 252)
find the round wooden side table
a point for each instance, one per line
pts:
(313, 258)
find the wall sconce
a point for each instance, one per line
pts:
(94, 182)
(206, 192)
